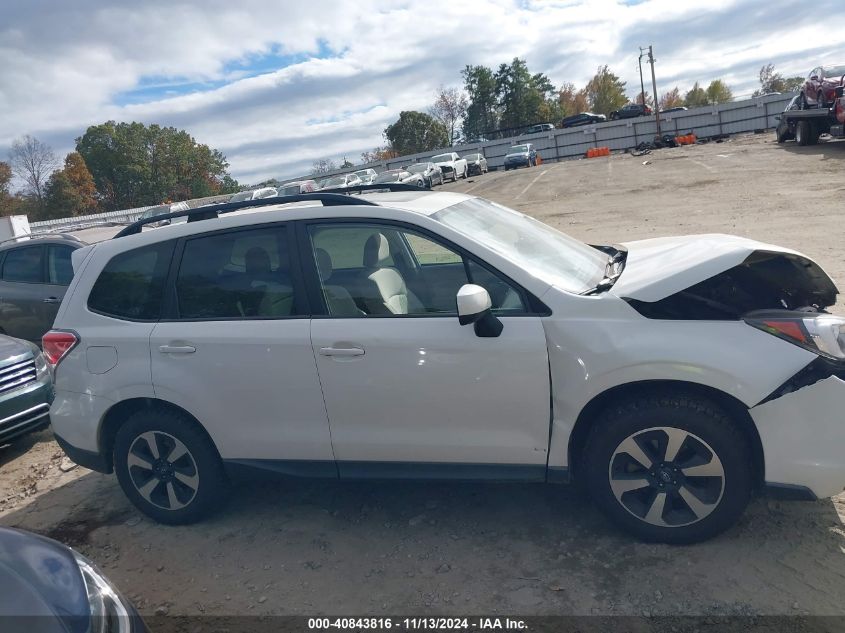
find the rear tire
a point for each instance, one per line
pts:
(804, 134)
(697, 480)
(168, 468)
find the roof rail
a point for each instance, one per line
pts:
(388, 186)
(33, 236)
(214, 210)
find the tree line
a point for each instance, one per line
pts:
(512, 97)
(114, 166)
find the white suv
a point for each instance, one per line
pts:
(673, 377)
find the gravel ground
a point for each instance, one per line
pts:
(317, 547)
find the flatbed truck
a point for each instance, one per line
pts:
(806, 126)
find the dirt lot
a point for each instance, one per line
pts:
(373, 548)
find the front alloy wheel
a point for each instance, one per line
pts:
(668, 468)
(666, 476)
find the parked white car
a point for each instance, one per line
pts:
(440, 335)
(367, 176)
(341, 182)
(452, 165)
(254, 194)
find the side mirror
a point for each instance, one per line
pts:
(814, 78)
(840, 92)
(474, 306)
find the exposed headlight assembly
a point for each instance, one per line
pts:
(823, 334)
(108, 611)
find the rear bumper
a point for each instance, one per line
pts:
(26, 409)
(803, 435)
(88, 459)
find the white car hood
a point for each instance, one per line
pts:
(660, 267)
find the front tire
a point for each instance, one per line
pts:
(168, 468)
(672, 469)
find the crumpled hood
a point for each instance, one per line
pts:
(660, 267)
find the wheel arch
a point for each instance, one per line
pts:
(118, 413)
(736, 410)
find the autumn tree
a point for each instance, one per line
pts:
(377, 155)
(482, 114)
(6, 199)
(605, 91)
(135, 165)
(571, 101)
(450, 107)
(649, 101)
(32, 161)
(322, 166)
(671, 99)
(718, 92)
(696, 97)
(70, 191)
(416, 132)
(773, 81)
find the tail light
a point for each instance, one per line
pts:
(57, 344)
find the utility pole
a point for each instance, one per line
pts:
(642, 85)
(654, 87)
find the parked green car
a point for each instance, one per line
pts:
(26, 388)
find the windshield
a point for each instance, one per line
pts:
(419, 168)
(387, 176)
(240, 197)
(364, 173)
(834, 72)
(536, 247)
(337, 180)
(442, 158)
(151, 213)
(518, 149)
(473, 156)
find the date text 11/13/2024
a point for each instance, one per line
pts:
(418, 624)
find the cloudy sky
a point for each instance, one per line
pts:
(278, 84)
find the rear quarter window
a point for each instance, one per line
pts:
(131, 285)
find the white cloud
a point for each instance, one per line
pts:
(71, 65)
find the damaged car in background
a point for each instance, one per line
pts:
(673, 378)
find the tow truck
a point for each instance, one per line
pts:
(806, 126)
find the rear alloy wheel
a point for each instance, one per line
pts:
(674, 470)
(168, 467)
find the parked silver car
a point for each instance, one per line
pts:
(431, 173)
(400, 176)
(476, 164)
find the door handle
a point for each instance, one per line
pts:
(341, 351)
(177, 349)
(52, 300)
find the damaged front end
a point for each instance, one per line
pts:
(763, 281)
(801, 423)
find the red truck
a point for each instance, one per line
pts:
(805, 126)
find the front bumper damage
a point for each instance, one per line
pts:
(802, 430)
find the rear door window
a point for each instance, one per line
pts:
(24, 265)
(236, 275)
(131, 285)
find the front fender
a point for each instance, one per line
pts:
(728, 356)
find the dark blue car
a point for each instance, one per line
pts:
(46, 587)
